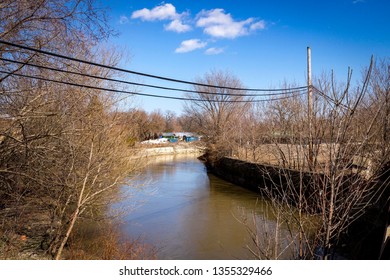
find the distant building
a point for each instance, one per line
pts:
(180, 136)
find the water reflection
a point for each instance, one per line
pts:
(190, 214)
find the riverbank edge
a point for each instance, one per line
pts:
(256, 177)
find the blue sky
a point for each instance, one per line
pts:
(261, 42)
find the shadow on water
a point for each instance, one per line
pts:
(190, 214)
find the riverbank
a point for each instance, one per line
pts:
(363, 237)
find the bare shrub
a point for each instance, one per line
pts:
(62, 147)
(345, 178)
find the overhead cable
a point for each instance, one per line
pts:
(140, 73)
(337, 103)
(286, 91)
(146, 94)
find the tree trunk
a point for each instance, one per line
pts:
(68, 232)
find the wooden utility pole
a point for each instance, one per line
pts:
(310, 108)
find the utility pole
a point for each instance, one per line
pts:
(310, 108)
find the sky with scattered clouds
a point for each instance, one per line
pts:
(263, 43)
(216, 23)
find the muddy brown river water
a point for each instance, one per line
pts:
(188, 213)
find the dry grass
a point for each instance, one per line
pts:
(296, 156)
(103, 241)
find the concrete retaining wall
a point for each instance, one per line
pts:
(174, 150)
(171, 150)
(257, 177)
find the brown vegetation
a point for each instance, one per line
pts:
(348, 142)
(62, 147)
(351, 153)
(103, 241)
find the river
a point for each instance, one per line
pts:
(190, 214)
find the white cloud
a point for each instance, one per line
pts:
(217, 23)
(214, 51)
(190, 45)
(229, 31)
(123, 19)
(177, 26)
(213, 17)
(260, 25)
(162, 12)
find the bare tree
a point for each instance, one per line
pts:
(379, 98)
(171, 124)
(157, 123)
(47, 23)
(218, 112)
(101, 165)
(188, 123)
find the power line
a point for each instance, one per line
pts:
(337, 103)
(286, 91)
(145, 94)
(141, 73)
